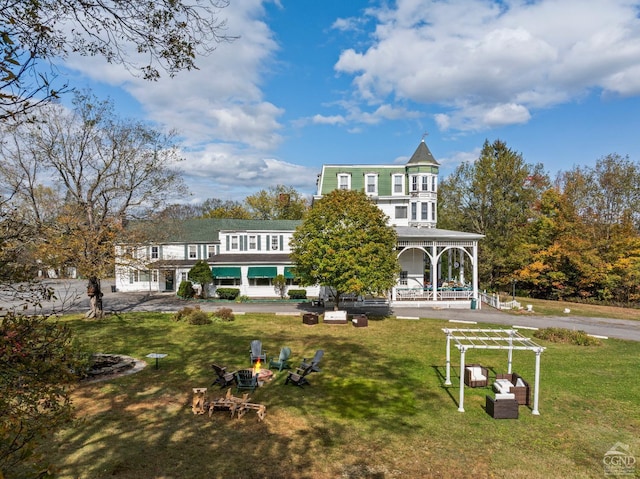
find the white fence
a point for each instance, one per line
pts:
(494, 301)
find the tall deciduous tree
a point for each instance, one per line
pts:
(277, 203)
(145, 36)
(217, 208)
(493, 196)
(344, 243)
(106, 171)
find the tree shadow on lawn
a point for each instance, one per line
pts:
(142, 425)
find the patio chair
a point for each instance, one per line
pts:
(299, 378)
(246, 379)
(283, 360)
(223, 378)
(313, 362)
(256, 352)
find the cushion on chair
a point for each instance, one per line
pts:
(502, 385)
(520, 383)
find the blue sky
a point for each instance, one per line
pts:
(310, 82)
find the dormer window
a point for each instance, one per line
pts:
(371, 180)
(398, 184)
(344, 181)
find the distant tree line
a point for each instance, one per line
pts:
(576, 237)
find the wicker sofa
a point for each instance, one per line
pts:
(476, 376)
(515, 384)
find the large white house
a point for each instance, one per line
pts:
(243, 254)
(439, 267)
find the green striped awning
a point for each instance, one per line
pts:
(226, 272)
(262, 272)
(288, 272)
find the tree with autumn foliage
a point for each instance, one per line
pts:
(277, 203)
(345, 243)
(103, 171)
(493, 196)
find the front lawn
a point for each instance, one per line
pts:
(378, 409)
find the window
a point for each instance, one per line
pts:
(404, 276)
(414, 211)
(234, 242)
(252, 242)
(154, 275)
(425, 183)
(227, 281)
(211, 250)
(193, 251)
(155, 252)
(184, 276)
(260, 281)
(398, 184)
(275, 243)
(433, 183)
(401, 212)
(424, 211)
(414, 183)
(344, 181)
(372, 184)
(433, 212)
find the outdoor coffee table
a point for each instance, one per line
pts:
(157, 356)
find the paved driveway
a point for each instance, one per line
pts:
(122, 302)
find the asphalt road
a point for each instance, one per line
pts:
(72, 295)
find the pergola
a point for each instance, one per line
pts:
(509, 339)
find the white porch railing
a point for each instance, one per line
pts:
(414, 294)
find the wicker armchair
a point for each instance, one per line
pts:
(476, 376)
(518, 386)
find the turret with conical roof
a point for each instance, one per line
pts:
(422, 156)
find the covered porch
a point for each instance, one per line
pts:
(439, 268)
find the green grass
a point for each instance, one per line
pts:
(556, 308)
(378, 409)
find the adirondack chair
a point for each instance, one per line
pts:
(223, 378)
(283, 360)
(246, 379)
(256, 352)
(313, 362)
(299, 378)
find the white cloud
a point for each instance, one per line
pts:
(489, 63)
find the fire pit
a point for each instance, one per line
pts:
(263, 375)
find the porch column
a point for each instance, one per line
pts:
(434, 271)
(475, 275)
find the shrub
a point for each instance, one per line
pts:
(228, 293)
(192, 315)
(297, 294)
(186, 290)
(568, 336)
(280, 285)
(224, 314)
(198, 317)
(242, 299)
